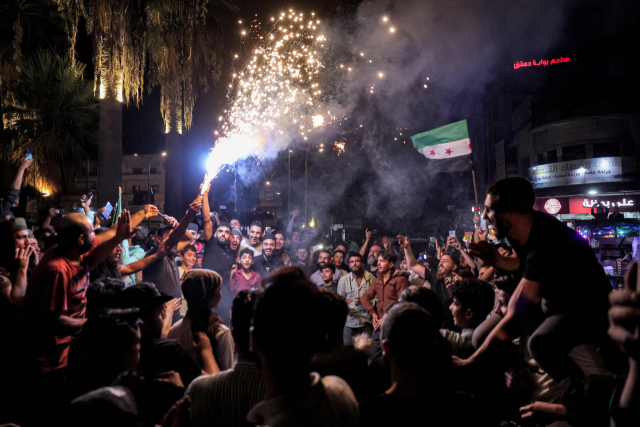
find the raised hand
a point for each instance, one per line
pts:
(196, 205)
(368, 234)
(294, 214)
(86, 204)
(23, 255)
(124, 230)
(385, 243)
(25, 163)
(52, 212)
(206, 190)
(150, 211)
(201, 342)
(404, 241)
(174, 304)
(485, 251)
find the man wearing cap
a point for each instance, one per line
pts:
(159, 355)
(18, 259)
(268, 262)
(236, 239)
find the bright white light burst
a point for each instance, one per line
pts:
(317, 120)
(279, 82)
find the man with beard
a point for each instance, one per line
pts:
(324, 259)
(54, 306)
(372, 259)
(351, 287)
(437, 280)
(235, 240)
(254, 242)
(281, 251)
(164, 272)
(302, 260)
(387, 287)
(218, 256)
(267, 262)
(574, 300)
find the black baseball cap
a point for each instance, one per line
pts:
(144, 296)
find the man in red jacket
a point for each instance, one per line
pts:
(387, 286)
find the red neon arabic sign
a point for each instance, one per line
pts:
(541, 63)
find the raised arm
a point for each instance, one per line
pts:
(135, 220)
(181, 229)
(47, 220)
(490, 255)
(363, 248)
(294, 214)
(525, 297)
(17, 181)
(143, 263)
(124, 230)
(206, 215)
(412, 262)
(470, 262)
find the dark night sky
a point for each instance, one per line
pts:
(599, 38)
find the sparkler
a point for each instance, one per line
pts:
(275, 94)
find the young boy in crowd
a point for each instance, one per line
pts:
(245, 277)
(327, 273)
(473, 300)
(188, 259)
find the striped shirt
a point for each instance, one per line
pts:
(225, 398)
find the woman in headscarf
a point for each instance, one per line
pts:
(202, 289)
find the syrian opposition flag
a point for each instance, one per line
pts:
(448, 148)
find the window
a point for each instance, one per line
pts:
(268, 196)
(524, 166)
(574, 152)
(155, 171)
(136, 188)
(540, 159)
(137, 171)
(606, 149)
(155, 189)
(552, 156)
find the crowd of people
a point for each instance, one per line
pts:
(213, 322)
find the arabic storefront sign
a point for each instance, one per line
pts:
(582, 205)
(602, 169)
(541, 63)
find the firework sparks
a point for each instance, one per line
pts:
(317, 120)
(276, 92)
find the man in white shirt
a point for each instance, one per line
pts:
(352, 287)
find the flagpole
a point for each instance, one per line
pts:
(475, 188)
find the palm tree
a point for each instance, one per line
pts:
(56, 117)
(118, 32)
(183, 58)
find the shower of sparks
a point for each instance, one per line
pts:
(317, 120)
(276, 93)
(340, 146)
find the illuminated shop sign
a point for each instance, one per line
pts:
(582, 205)
(602, 169)
(540, 63)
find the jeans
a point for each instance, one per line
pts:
(348, 333)
(376, 346)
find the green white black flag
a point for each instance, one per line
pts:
(448, 148)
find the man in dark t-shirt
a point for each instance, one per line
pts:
(164, 273)
(560, 274)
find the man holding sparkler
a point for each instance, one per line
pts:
(218, 255)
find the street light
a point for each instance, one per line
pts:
(149, 179)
